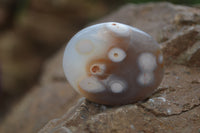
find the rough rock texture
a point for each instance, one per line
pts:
(174, 106)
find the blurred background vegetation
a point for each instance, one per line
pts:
(31, 31)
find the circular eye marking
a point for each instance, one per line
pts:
(85, 46)
(97, 69)
(120, 29)
(145, 78)
(147, 62)
(117, 86)
(116, 55)
(91, 84)
(160, 59)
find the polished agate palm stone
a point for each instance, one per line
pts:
(113, 63)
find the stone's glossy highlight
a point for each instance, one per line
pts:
(113, 63)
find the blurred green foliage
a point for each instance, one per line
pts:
(185, 2)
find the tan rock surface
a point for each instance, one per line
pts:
(174, 106)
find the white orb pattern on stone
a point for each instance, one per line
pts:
(146, 78)
(117, 28)
(117, 86)
(91, 84)
(147, 62)
(160, 59)
(85, 46)
(98, 69)
(116, 55)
